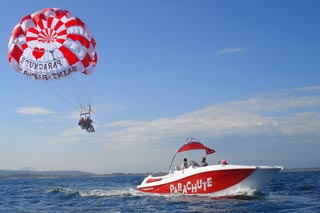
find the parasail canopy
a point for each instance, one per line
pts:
(51, 44)
(195, 145)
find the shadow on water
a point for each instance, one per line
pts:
(256, 196)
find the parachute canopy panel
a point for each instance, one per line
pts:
(51, 44)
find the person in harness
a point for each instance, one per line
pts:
(81, 123)
(85, 122)
(88, 125)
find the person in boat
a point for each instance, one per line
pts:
(81, 123)
(88, 125)
(203, 162)
(224, 162)
(184, 164)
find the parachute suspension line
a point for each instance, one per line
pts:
(72, 91)
(88, 90)
(58, 94)
(80, 91)
(64, 90)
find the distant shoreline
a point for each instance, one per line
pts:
(301, 169)
(4, 174)
(58, 174)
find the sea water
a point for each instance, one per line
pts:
(287, 192)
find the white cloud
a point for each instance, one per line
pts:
(247, 117)
(301, 123)
(211, 121)
(230, 50)
(240, 117)
(276, 103)
(312, 88)
(71, 136)
(270, 125)
(34, 111)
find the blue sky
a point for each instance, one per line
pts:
(242, 76)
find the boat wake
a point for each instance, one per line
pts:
(243, 193)
(249, 192)
(67, 192)
(109, 193)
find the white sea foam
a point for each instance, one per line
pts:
(133, 192)
(109, 193)
(235, 192)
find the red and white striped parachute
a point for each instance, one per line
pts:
(52, 44)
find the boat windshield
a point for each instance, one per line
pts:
(194, 164)
(158, 174)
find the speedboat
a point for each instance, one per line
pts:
(214, 180)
